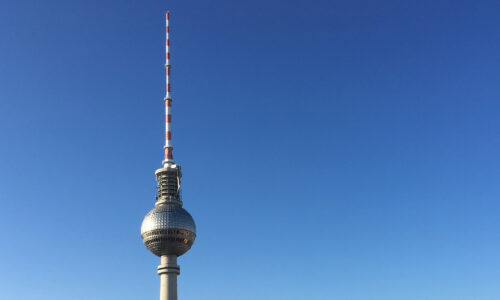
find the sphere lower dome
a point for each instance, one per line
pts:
(168, 229)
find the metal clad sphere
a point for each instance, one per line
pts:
(168, 230)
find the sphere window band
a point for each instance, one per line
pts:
(171, 239)
(169, 232)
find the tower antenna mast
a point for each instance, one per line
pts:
(169, 158)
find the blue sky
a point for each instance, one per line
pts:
(331, 149)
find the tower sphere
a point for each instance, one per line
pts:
(168, 229)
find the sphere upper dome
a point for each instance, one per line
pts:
(168, 229)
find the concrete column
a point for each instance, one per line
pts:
(168, 271)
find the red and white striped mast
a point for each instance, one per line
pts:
(168, 162)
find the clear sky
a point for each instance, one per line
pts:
(331, 149)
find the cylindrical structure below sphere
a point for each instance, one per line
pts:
(168, 271)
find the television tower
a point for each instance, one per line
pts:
(168, 230)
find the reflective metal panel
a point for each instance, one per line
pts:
(168, 230)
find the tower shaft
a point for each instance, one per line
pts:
(168, 271)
